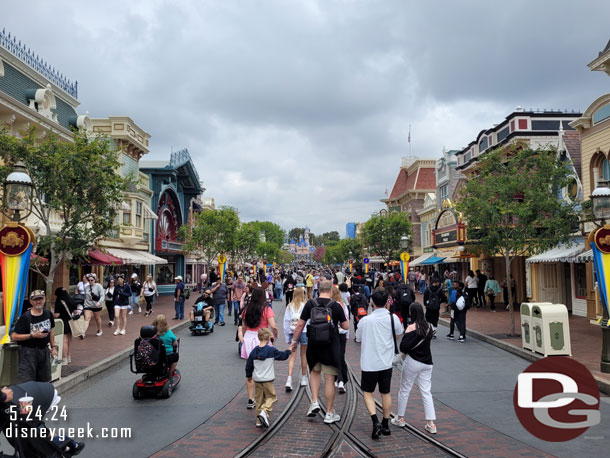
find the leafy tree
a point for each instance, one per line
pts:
(268, 251)
(285, 257)
(295, 233)
(348, 248)
(273, 233)
(75, 192)
(514, 207)
(212, 232)
(327, 239)
(382, 234)
(318, 254)
(246, 240)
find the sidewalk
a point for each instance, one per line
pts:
(92, 349)
(586, 338)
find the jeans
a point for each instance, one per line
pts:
(459, 319)
(235, 311)
(412, 372)
(219, 312)
(422, 286)
(179, 308)
(278, 293)
(133, 302)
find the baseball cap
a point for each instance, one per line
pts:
(178, 278)
(37, 293)
(134, 275)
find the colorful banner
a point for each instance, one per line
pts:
(600, 246)
(351, 266)
(404, 265)
(254, 269)
(366, 265)
(16, 244)
(222, 267)
(269, 269)
(274, 267)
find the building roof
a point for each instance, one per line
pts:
(420, 179)
(571, 138)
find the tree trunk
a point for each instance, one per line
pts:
(509, 288)
(49, 280)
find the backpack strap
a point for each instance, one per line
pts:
(393, 333)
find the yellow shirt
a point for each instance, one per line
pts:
(309, 280)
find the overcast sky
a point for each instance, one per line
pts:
(298, 111)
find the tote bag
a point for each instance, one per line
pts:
(76, 326)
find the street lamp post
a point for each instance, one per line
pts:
(18, 193)
(404, 243)
(600, 202)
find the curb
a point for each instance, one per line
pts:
(75, 379)
(603, 385)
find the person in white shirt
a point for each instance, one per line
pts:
(291, 320)
(378, 338)
(472, 284)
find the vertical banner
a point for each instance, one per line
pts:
(16, 244)
(274, 267)
(254, 269)
(600, 245)
(365, 261)
(222, 267)
(404, 265)
(269, 269)
(351, 266)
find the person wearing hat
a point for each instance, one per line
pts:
(179, 299)
(34, 333)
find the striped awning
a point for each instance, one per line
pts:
(587, 256)
(417, 261)
(559, 253)
(136, 257)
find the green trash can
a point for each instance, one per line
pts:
(10, 363)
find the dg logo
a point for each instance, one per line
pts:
(556, 399)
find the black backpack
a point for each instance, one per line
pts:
(434, 302)
(320, 328)
(405, 296)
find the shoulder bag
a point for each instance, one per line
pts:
(77, 326)
(397, 361)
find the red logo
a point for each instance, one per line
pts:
(556, 399)
(602, 239)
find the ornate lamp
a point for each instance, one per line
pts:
(404, 243)
(600, 200)
(18, 192)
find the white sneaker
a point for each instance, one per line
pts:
(341, 388)
(263, 419)
(288, 384)
(130, 312)
(314, 408)
(398, 422)
(331, 417)
(304, 381)
(139, 309)
(430, 429)
(117, 332)
(111, 323)
(99, 333)
(122, 332)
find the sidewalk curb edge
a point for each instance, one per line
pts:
(66, 383)
(603, 385)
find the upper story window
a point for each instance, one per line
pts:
(606, 169)
(503, 134)
(126, 213)
(138, 214)
(602, 114)
(483, 144)
(467, 156)
(444, 191)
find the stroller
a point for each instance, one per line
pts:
(149, 358)
(199, 324)
(25, 433)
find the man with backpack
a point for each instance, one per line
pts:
(433, 298)
(459, 306)
(404, 298)
(323, 348)
(358, 304)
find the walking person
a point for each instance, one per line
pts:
(179, 299)
(378, 332)
(64, 308)
(238, 289)
(422, 282)
(459, 307)
(472, 283)
(289, 288)
(433, 298)
(256, 315)
(492, 289)
(322, 347)
(94, 296)
(149, 291)
(482, 280)
(122, 296)
(309, 281)
(343, 337)
(109, 300)
(136, 288)
(417, 367)
(260, 370)
(34, 334)
(291, 320)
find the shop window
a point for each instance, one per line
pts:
(166, 273)
(606, 169)
(580, 281)
(138, 214)
(189, 274)
(126, 217)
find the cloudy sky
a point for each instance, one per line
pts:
(298, 111)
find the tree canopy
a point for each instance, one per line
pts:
(76, 191)
(382, 234)
(514, 205)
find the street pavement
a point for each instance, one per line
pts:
(472, 385)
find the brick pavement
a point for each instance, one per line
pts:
(586, 338)
(92, 349)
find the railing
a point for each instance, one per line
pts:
(180, 157)
(23, 53)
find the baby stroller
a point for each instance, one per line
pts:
(24, 433)
(149, 358)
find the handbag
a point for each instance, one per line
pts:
(77, 326)
(397, 361)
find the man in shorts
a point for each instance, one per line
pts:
(322, 357)
(376, 357)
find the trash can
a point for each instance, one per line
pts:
(58, 336)
(551, 329)
(9, 356)
(526, 324)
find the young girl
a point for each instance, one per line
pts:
(291, 319)
(169, 339)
